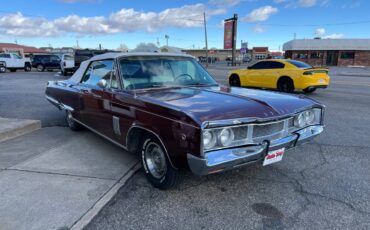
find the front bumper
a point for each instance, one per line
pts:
(226, 159)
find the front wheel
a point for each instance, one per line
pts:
(234, 81)
(157, 168)
(72, 124)
(40, 68)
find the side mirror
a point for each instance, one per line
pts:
(102, 83)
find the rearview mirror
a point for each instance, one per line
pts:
(102, 83)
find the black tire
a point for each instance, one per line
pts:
(13, 70)
(309, 90)
(2, 69)
(156, 166)
(285, 85)
(234, 80)
(27, 67)
(64, 73)
(72, 124)
(40, 68)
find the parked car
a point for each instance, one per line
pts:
(67, 64)
(284, 75)
(170, 111)
(85, 54)
(2, 67)
(13, 62)
(45, 62)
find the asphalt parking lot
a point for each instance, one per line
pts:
(321, 185)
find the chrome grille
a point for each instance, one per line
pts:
(267, 129)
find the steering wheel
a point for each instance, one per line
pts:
(184, 75)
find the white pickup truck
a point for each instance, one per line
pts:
(13, 62)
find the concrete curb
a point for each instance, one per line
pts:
(108, 196)
(11, 128)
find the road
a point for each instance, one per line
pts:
(321, 185)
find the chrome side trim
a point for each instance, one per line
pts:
(102, 135)
(116, 126)
(58, 104)
(150, 131)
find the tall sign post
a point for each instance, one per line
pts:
(230, 29)
(205, 37)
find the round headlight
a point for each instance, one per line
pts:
(300, 120)
(309, 116)
(209, 139)
(225, 137)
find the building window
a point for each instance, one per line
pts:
(301, 55)
(347, 55)
(315, 55)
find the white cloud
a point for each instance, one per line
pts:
(320, 31)
(258, 29)
(279, 1)
(333, 36)
(307, 3)
(225, 3)
(124, 20)
(260, 14)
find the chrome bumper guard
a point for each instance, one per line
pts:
(226, 159)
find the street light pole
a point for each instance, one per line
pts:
(205, 36)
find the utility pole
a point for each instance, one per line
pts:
(166, 37)
(77, 44)
(205, 36)
(234, 38)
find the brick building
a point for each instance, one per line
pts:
(260, 53)
(329, 52)
(24, 51)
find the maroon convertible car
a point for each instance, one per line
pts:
(168, 109)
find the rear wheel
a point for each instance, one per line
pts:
(234, 80)
(156, 166)
(309, 90)
(27, 67)
(286, 85)
(72, 124)
(40, 68)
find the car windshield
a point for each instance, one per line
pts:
(299, 64)
(68, 57)
(152, 71)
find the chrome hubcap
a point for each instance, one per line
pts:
(155, 160)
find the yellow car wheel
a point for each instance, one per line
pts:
(285, 84)
(234, 80)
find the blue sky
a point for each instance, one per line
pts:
(112, 22)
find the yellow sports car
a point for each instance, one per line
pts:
(282, 74)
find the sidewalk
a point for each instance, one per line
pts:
(54, 178)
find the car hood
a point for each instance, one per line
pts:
(222, 103)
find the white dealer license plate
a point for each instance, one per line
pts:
(273, 156)
(321, 80)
